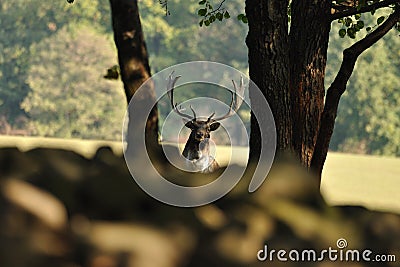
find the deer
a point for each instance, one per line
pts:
(197, 147)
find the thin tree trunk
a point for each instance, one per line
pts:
(133, 57)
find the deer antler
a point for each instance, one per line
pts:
(170, 92)
(236, 100)
(209, 118)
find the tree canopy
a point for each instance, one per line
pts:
(69, 97)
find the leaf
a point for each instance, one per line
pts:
(112, 73)
(240, 16)
(212, 18)
(342, 33)
(244, 19)
(357, 16)
(360, 24)
(227, 15)
(368, 29)
(202, 12)
(351, 32)
(207, 23)
(380, 19)
(219, 16)
(201, 23)
(202, 2)
(348, 22)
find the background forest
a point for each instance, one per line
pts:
(53, 58)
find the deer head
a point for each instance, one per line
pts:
(197, 148)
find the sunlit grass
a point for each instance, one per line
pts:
(86, 148)
(370, 181)
(225, 155)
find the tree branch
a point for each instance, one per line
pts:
(338, 87)
(354, 10)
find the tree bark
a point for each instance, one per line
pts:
(309, 36)
(133, 57)
(267, 41)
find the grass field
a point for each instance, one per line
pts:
(86, 148)
(369, 181)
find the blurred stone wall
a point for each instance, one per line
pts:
(58, 208)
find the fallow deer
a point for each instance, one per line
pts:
(197, 148)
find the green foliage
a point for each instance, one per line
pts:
(170, 39)
(380, 20)
(25, 22)
(209, 15)
(352, 25)
(178, 38)
(242, 17)
(69, 97)
(113, 73)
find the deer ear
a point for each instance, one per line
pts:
(189, 124)
(214, 126)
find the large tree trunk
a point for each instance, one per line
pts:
(289, 69)
(267, 41)
(309, 36)
(133, 58)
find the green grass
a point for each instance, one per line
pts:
(370, 181)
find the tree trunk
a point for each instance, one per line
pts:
(267, 41)
(309, 36)
(133, 58)
(289, 68)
